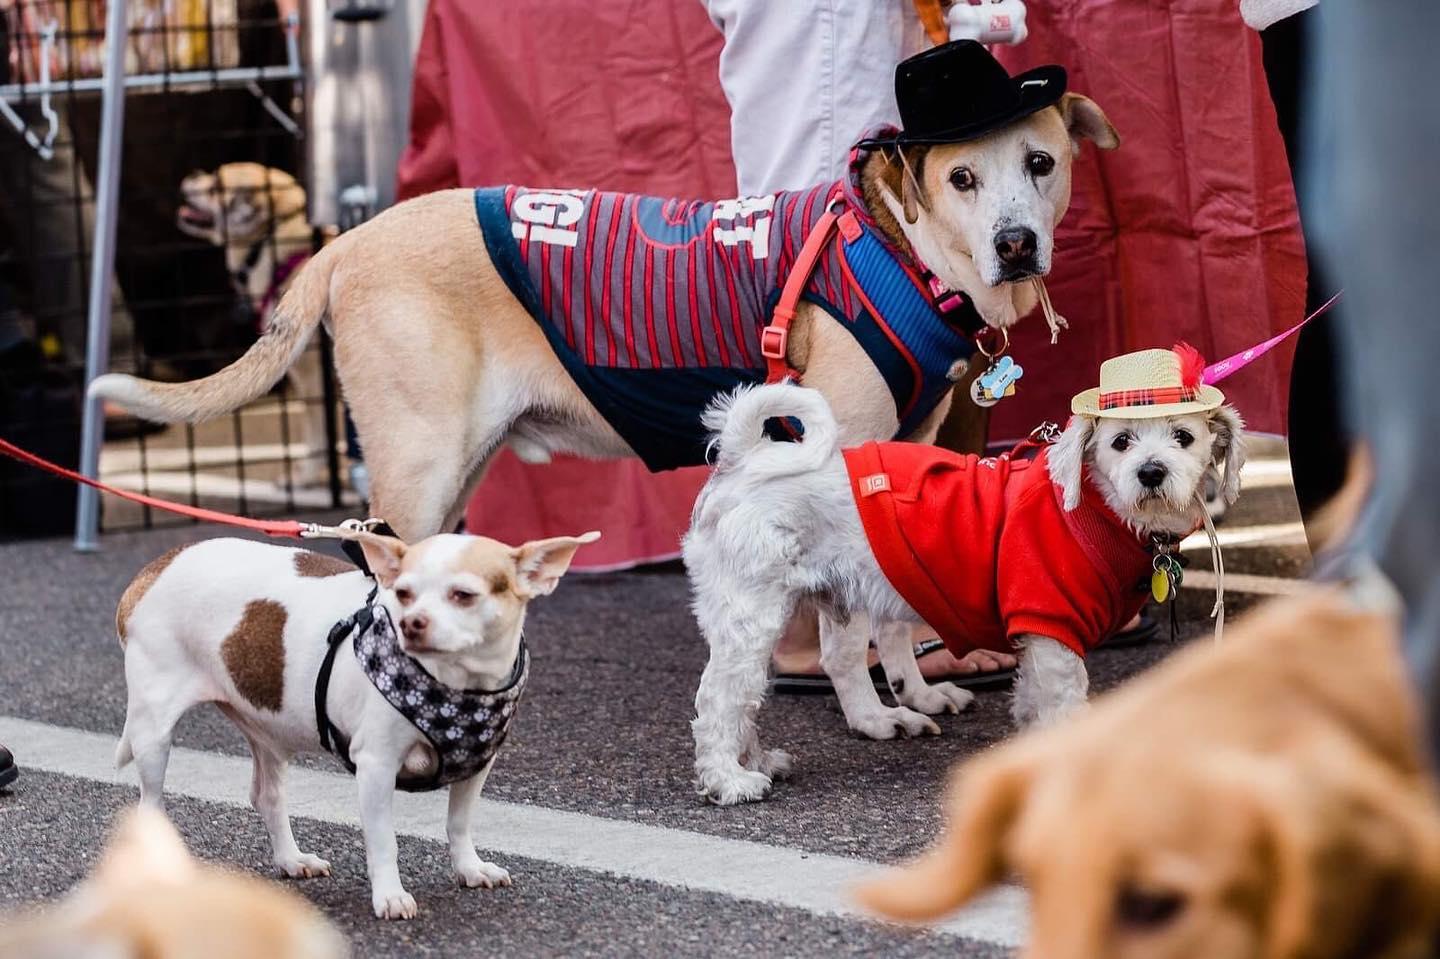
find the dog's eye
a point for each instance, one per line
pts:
(462, 597)
(1040, 163)
(1144, 909)
(1184, 438)
(405, 596)
(962, 179)
(1120, 443)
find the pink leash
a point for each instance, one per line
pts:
(1216, 372)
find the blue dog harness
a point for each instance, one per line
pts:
(655, 306)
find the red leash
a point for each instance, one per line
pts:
(270, 527)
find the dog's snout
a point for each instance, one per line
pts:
(1152, 475)
(414, 625)
(1015, 245)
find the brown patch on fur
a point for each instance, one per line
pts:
(319, 566)
(137, 589)
(254, 653)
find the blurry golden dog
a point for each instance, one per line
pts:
(1267, 798)
(149, 898)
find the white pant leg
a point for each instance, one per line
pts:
(805, 78)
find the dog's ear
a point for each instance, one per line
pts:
(1067, 459)
(287, 198)
(901, 190)
(986, 797)
(912, 191)
(383, 554)
(540, 563)
(1086, 121)
(1228, 448)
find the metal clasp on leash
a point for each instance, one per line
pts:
(1046, 433)
(349, 529)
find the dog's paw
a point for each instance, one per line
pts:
(729, 789)
(485, 875)
(775, 763)
(893, 723)
(932, 700)
(303, 866)
(394, 905)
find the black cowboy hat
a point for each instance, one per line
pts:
(958, 91)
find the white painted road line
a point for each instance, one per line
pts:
(229, 487)
(1268, 534)
(126, 458)
(1247, 583)
(739, 869)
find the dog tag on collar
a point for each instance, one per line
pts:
(1166, 579)
(996, 383)
(1160, 585)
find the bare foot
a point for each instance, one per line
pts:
(942, 663)
(798, 654)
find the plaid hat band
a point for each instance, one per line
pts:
(1148, 397)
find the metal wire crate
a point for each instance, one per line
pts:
(204, 83)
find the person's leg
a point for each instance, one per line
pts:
(1380, 230)
(804, 79)
(1318, 438)
(48, 211)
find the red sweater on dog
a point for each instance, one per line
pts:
(983, 550)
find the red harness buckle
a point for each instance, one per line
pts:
(773, 340)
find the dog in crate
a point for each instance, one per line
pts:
(1049, 549)
(256, 214)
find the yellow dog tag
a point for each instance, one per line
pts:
(1160, 585)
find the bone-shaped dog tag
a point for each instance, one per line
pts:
(996, 383)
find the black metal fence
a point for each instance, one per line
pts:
(213, 87)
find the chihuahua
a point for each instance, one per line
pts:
(243, 624)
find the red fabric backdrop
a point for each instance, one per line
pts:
(1189, 230)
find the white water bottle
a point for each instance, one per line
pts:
(993, 21)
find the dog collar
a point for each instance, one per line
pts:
(465, 727)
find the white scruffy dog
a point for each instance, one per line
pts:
(778, 526)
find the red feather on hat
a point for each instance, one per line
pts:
(1192, 364)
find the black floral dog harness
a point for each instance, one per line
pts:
(466, 727)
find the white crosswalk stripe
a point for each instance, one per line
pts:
(778, 875)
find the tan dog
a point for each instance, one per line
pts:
(1266, 799)
(150, 898)
(442, 364)
(256, 214)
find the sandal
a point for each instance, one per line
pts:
(818, 684)
(1138, 635)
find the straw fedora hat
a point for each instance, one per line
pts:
(1150, 383)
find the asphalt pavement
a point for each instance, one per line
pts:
(591, 803)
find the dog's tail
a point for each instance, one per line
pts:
(300, 310)
(737, 422)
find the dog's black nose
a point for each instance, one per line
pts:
(1015, 245)
(414, 625)
(1152, 475)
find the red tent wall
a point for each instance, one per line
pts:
(1189, 230)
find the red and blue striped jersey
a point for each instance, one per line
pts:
(656, 305)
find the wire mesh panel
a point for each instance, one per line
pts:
(212, 223)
